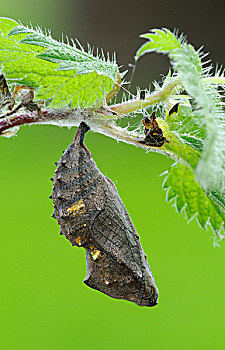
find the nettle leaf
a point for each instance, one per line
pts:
(58, 71)
(6, 24)
(187, 126)
(211, 169)
(178, 146)
(186, 61)
(190, 198)
(162, 40)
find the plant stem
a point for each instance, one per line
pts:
(158, 96)
(55, 116)
(102, 121)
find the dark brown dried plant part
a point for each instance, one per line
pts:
(153, 133)
(142, 95)
(8, 99)
(91, 215)
(174, 109)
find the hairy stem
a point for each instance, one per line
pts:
(102, 120)
(68, 117)
(155, 97)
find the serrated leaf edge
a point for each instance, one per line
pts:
(217, 232)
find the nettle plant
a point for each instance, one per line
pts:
(44, 81)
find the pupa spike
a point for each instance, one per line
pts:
(50, 197)
(83, 128)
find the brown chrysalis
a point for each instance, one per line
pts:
(153, 133)
(91, 215)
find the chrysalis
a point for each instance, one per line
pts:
(91, 215)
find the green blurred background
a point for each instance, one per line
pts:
(43, 301)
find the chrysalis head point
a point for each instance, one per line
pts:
(82, 129)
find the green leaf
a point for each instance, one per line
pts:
(186, 61)
(57, 71)
(177, 146)
(160, 40)
(182, 187)
(187, 126)
(211, 169)
(6, 24)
